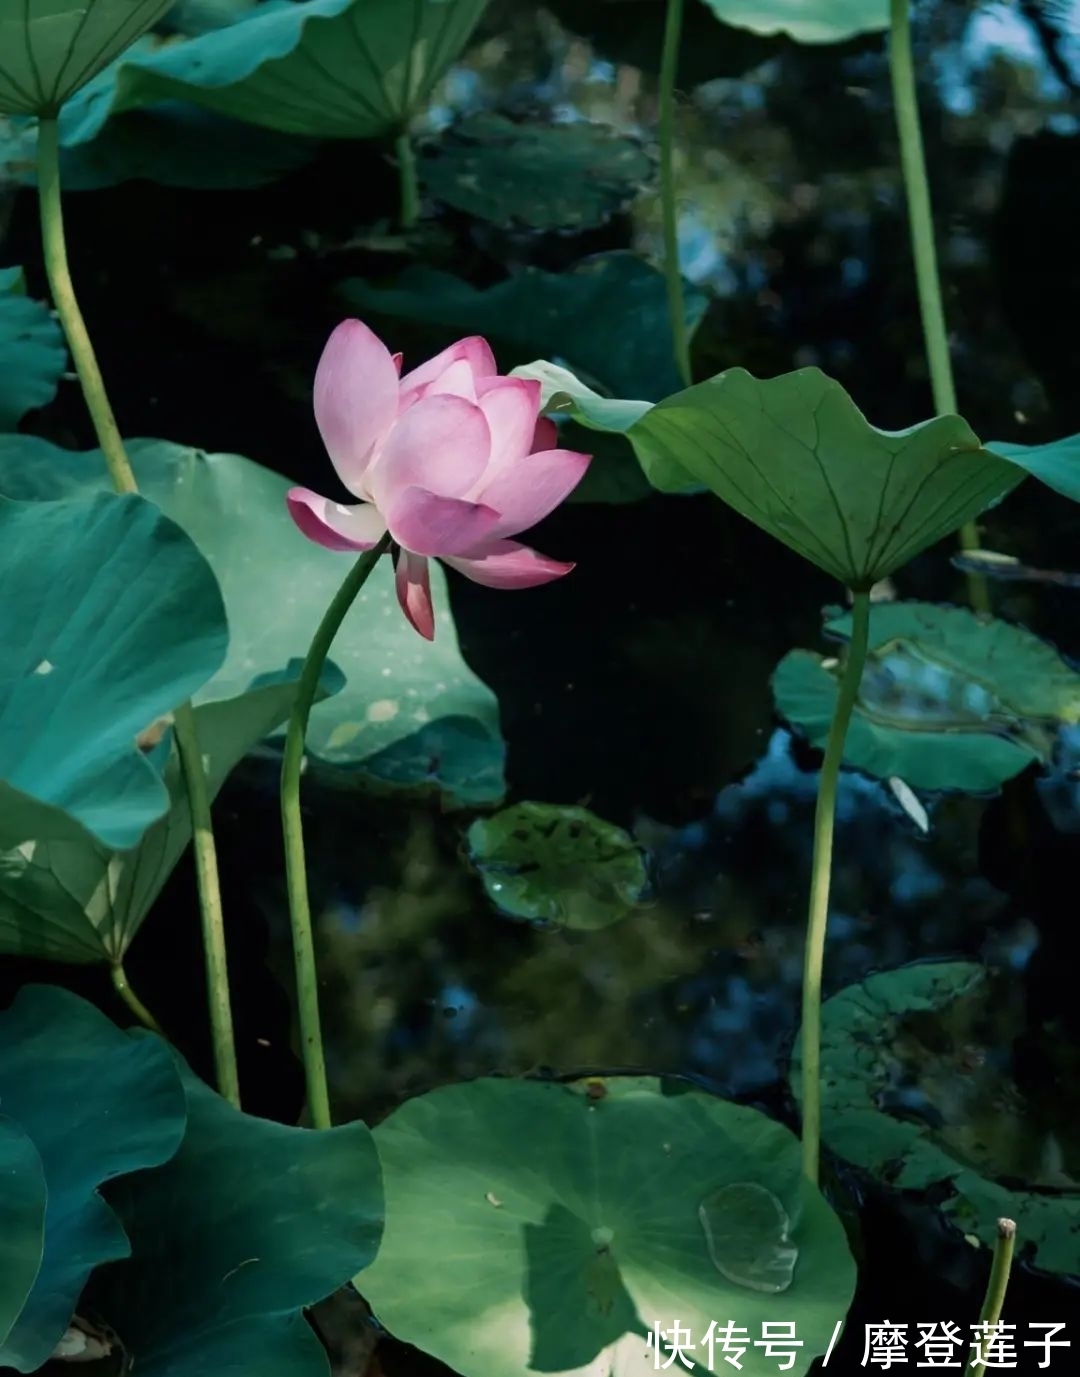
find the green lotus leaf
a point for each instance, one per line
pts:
(947, 701)
(914, 1092)
(328, 69)
(32, 352)
(96, 1105)
(795, 455)
(411, 714)
(67, 897)
(120, 624)
(557, 865)
(540, 176)
(49, 48)
(22, 1221)
(250, 1222)
(558, 1224)
(1057, 463)
(807, 21)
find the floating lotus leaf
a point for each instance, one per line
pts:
(914, 1091)
(559, 1223)
(947, 701)
(539, 176)
(557, 865)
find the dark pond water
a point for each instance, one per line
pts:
(640, 685)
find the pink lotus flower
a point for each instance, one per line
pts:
(452, 459)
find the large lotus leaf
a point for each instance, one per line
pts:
(807, 21)
(796, 456)
(22, 1221)
(67, 897)
(577, 315)
(110, 618)
(557, 865)
(914, 1092)
(249, 1223)
(947, 700)
(174, 143)
(537, 176)
(411, 715)
(97, 1104)
(557, 1224)
(32, 353)
(350, 69)
(1057, 463)
(49, 48)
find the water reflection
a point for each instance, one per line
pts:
(425, 984)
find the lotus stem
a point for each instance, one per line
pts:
(123, 988)
(998, 1283)
(408, 180)
(292, 826)
(54, 247)
(210, 906)
(820, 879)
(921, 226)
(123, 480)
(669, 63)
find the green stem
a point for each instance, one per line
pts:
(669, 63)
(123, 480)
(921, 225)
(408, 179)
(292, 825)
(67, 306)
(132, 1000)
(210, 907)
(998, 1283)
(820, 877)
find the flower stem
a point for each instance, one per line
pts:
(408, 179)
(67, 306)
(123, 480)
(669, 63)
(132, 1000)
(292, 826)
(820, 876)
(998, 1283)
(921, 225)
(210, 907)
